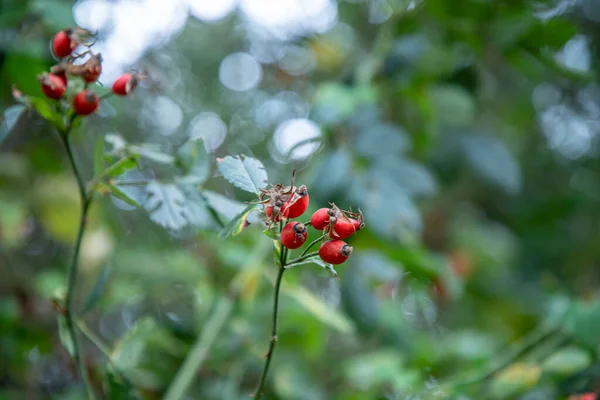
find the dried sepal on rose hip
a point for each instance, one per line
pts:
(282, 202)
(85, 102)
(335, 251)
(89, 71)
(52, 85)
(298, 203)
(293, 235)
(60, 70)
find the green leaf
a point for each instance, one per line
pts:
(152, 153)
(567, 361)
(277, 249)
(316, 260)
(238, 223)
(119, 167)
(119, 194)
(97, 290)
(167, 205)
(193, 159)
(48, 112)
(489, 157)
(583, 323)
(245, 173)
(10, 118)
(65, 336)
(271, 234)
(453, 106)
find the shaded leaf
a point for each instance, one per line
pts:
(48, 112)
(97, 290)
(223, 205)
(382, 139)
(453, 105)
(245, 173)
(167, 205)
(195, 162)
(414, 178)
(65, 336)
(119, 194)
(10, 118)
(238, 223)
(567, 361)
(152, 153)
(490, 158)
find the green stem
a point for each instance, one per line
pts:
(92, 337)
(317, 240)
(74, 265)
(259, 391)
(196, 357)
(301, 258)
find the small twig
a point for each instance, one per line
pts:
(312, 244)
(259, 391)
(301, 258)
(74, 265)
(196, 357)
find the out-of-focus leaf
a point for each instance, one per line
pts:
(514, 379)
(167, 205)
(223, 205)
(152, 153)
(374, 369)
(567, 361)
(117, 144)
(119, 167)
(119, 194)
(195, 161)
(117, 388)
(490, 158)
(358, 301)
(382, 139)
(10, 118)
(334, 102)
(333, 172)
(58, 15)
(65, 336)
(238, 223)
(245, 173)
(453, 106)
(99, 156)
(414, 178)
(97, 290)
(583, 323)
(48, 112)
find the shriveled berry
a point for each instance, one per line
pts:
(283, 212)
(343, 228)
(62, 44)
(85, 102)
(92, 68)
(52, 85)
(300, 203)
(293, 235)
(335, 251)
(125, 84)
(320, 219)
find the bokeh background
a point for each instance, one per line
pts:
(465, 130)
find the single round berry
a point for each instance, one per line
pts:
(335, 251)
(124, 84)
(293, 235)
(92, 73)
(85, 102)
(320, 219)
(300, 205)
(62, 44)
(283, 212)
(343, 228)
(52, 85)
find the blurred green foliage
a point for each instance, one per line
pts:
(465, 130)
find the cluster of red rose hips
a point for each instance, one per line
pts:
(288, 202)
(54, 84)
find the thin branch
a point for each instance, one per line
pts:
(312, 244)
(273, 341)
(74, 265)
(196, 357)
(301, 258)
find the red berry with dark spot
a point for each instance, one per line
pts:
(320, 218)
(52, 85)
(335, 251)
(293, 235)
(342, 228)
(85, 102)
(283, 212)
(125, 84)
(62, 44)
(300, 203)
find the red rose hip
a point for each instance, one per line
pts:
(62, 44)
(293, 235)
(52, 85)
(124, 84)
(335, 251)
(283, 212)
(85, 102)
(300, 203)
(343, 228)
(320, 219)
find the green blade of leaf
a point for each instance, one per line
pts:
(152, 154)
(238, 223)
(121, 166)
(65, 335)
(119, 194)
(245, 173)
(271, 234)
(98, 289)
(47, 111)
(316, 260)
